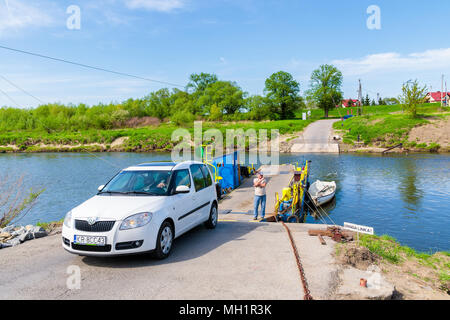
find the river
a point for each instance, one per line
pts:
(407, 197)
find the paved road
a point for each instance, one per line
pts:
(316, 138)
(237, 260)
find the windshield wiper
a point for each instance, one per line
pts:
(119, 192)
(143, 192)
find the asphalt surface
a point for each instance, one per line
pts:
(238, 260)
(316, 138)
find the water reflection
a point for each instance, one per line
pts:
(409, 191)
(407, 197)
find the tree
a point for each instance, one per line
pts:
(366, 101)
(412, 96)
(199, 82)
(225, 95)
(282, 92)
(326, 83)
(158, 103)
(373, 103)
(350, 103)
(257, 108)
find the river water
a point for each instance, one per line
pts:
(407, 197)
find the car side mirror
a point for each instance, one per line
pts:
(100, 188)
(182, 189)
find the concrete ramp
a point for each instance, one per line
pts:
(317, 138)
(315, 148)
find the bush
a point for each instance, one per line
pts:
(182, 118)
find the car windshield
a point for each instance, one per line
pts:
(151, 182)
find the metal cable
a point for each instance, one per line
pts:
(43, 125)
(91, 67)
(307, 293)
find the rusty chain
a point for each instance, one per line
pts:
(307, 295)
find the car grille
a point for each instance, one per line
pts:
(82, 247)
(99, 226)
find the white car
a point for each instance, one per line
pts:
(143, 209)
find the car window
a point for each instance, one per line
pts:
(207, 175)
(197, 176)
(182, 178)
(151, 182)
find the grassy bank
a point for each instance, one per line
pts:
(386, 126)
(150, 138)
(401, 263)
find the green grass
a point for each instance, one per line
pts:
(391, 251)
(152, 138)
(387, 130)
(387, 126)
(46, 225)
(388, 248)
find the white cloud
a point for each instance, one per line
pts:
(156, 5)
(395, 62)
(15, 15)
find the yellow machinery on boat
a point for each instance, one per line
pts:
(290, 207)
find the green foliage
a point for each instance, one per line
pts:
(412, 96)
(183, 118)
(325, 87)
(282, 95)
(14, 202)
(225, 95)
(387, 129)
(199, 82)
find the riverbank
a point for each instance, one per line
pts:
(415, 275)
(144, 139)
(14, 235)
(376, 133)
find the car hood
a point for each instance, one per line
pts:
(117, 207)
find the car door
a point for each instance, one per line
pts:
(201, 198)
(209, 192)
(182, 204)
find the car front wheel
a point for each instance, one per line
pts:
(164, 241)
(213, 217)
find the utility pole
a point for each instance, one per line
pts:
(378, 98)
(446, 95)
(360, 98)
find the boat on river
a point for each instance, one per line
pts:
(322, 192)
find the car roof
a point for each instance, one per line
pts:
(162, 166)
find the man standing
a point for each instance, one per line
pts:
(260, 195)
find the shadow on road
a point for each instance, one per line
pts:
(196, 243)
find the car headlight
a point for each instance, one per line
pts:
(136, 221)
(68, 219)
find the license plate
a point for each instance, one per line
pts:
(89, 240)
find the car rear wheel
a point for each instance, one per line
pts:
(213, 217)
(164, 241)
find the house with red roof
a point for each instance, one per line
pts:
(345, 103)
(437, 96)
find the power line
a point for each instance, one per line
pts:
(11, 99)
(91, 67)
(21, 89)
(37, 119)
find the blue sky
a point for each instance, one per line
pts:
(240, 40)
